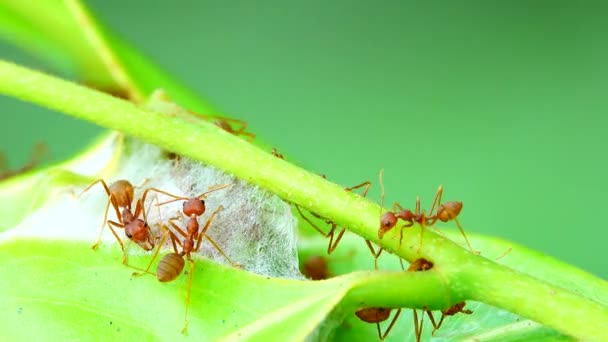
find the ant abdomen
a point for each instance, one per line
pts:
(122, 191)
(170, 267)
(449, 211)
(373, 315)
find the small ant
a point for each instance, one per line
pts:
(447, 211)
(120, 195)
(276, 153)
(172, 264)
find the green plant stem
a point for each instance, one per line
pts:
(95, 38)
(463, 273)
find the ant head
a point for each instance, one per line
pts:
(387, 222)
(420, 264)
(449, 211)
(194, 206)
(138, 231)
(373, 315)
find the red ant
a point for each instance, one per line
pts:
(172, 264)
(447, 211)
(120, 195)
(276, 153)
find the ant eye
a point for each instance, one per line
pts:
(128, 234)
(183, 204)
(202, 202)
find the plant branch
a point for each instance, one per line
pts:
(99, 44)
(465, 274)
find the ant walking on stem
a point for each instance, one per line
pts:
(172, 264)
(120, 195)
(447, 211)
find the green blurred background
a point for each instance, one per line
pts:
(503, 103)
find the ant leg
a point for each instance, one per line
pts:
(433, 323)
(366, 184)
(103, 224)
(111, 200)
(438, 325)
(332, 246)
(143, 182)
(108, 192)
(379, 331)
(122, 246)
(219, 249)
(376, 255)
(418, 327)
(390, 326)
(465, 237)
(249, 134)
(437, 200)
(504, 254)
(224, 123)
(190, 274)
(176, 227)
(212, 189)
(310, 222)
(162, 242)
(175, 197)
(207, 225)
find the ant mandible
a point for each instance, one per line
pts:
(120, 195)
(447, 211)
